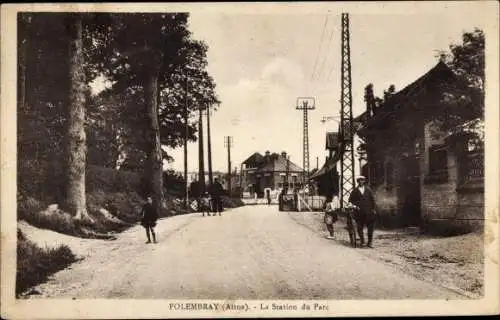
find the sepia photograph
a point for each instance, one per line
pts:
(252, 159)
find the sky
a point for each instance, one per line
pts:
(263, 62)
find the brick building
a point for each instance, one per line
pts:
(422, 176)
(270, 171)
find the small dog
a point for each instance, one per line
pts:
(205, 204)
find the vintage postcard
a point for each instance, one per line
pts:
(213, 160)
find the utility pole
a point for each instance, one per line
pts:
(235, 175)
(209, 146)
(201, 153)
(305, 104)
(287, 173)
(228, 141)
(186, 199)
(346, 123)
(241, 179)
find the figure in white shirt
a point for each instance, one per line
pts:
(331, 215)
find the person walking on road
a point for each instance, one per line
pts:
(148, 219)
(268, 196)
(363, 201)
(216, 191)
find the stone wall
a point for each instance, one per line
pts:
(444, 205)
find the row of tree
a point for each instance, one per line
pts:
(156, 79)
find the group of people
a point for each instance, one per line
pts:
(212, 200)
(362, 201)
(149, 214)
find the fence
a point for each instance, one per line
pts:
(311, 203)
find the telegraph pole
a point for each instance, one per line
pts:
(241, 179)
(287, 173)
(305, 104)
(186, 199)
(209, 146)
(201, 153)
(346, 122)
(228, 143)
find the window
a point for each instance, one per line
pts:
(438, 164)
(437, 159)
(472, 164)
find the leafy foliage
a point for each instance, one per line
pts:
(43, 85)
(121, 48)
(123, 45)
(465, 101)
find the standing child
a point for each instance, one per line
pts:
(331, 215)
(148, 219)
(205, 202)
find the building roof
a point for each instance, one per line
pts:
(280, 164)
(439, 74)
(327, 167)
(254, 160)
(332, 140)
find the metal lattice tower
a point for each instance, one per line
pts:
(305, 104)
(347, 179)
(306, 144)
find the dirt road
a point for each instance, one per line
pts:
(252, 252)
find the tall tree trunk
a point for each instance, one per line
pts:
(154, 168)
(23, 37)
(201, 152)
(209, 146)
(77, 148)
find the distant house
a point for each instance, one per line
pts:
(270, 171)
(421, 175)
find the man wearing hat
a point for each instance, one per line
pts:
(363, 200)
(216, 190)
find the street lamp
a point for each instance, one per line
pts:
(324, 119)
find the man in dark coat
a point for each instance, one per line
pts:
(148, 219)
(216, 191)
(363, 200)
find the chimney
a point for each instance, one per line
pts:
(283, 154)
(370, 100)
(267, 153)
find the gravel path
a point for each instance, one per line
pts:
(455, 262)
(252, 252)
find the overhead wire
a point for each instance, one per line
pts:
(327, 50)
(320, 46)
(331, 68)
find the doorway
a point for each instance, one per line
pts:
(409, 192)
(258, 189)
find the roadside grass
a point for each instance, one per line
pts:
(232, 202)
(35, 264)
(32, 211)
(101, 226)
(114, 202)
